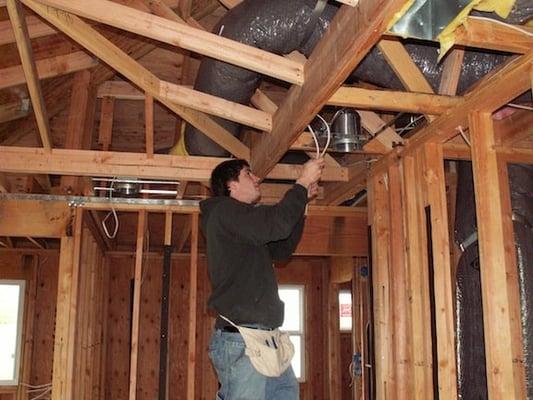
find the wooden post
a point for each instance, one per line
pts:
(379, 218)
(67, 298)
(442, 282)
(401, 343)
(193, 298)
(141, 227)
(417, 281)
(333, 332)
(499, 280)
(149, 124)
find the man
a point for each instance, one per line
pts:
(243, 240)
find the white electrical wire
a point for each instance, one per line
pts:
(328, 130)
(516, 28)
(460, 128)
(520, 106)
(115, 216)
(408, 126)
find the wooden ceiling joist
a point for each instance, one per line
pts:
(387, 100)
(184, 36)
(26, 160)
(352, 33)
(48, 68)
(139, 75)
(16, 15)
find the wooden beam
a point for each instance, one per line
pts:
(451, 72)
(5, 186)
(508, 82)
(121, 62)
(27, 160)
(136, 306)
(443, 280)
(36, 29)
(229, 4)
(33, 218)
(418, 280)
(149, 125)
(499, 280)
(193, 306)
(121, 90)
(168, 228)
(16, 15)
(405, 68)
(105, 131)
(514, 128)
(78, 135)
(47, 68)
(379, 227)
(388, 100)
(67, 299)
(14, 110)
(337, 193)
(184, 36)
(216, 106)
(485, 34)
(350, 36)
(383, 141)
(399, 289)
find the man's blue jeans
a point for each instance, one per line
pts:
(238, 378)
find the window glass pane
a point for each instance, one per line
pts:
(291, 297)
(297, 359)
(9, 318)
(345, 310)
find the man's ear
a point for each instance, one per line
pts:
(232, 185)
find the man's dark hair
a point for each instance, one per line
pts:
(223, 174)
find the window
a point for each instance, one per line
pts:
(11, 310)
(293, 296)
(345, 310)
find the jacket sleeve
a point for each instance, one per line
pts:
(283, 249)
(263, 224)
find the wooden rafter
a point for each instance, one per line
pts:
(27, 160)
(47, 68)
(14, 110)
(351, 35)
(405, 68)
(385, 138)
(36, 29)
(121, 62)
(20, 30)
(184, 36)
(509, 81)
(105, 131)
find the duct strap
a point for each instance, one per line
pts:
(472, 238)
(317, 12)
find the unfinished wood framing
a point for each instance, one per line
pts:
(20, 30)
(96, 335)
(501, 305)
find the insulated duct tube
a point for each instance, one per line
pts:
(470, 339)
(281, 26)
(277, 26)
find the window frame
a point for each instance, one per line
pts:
(350, 293)
(20, 328)
(302, 332)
